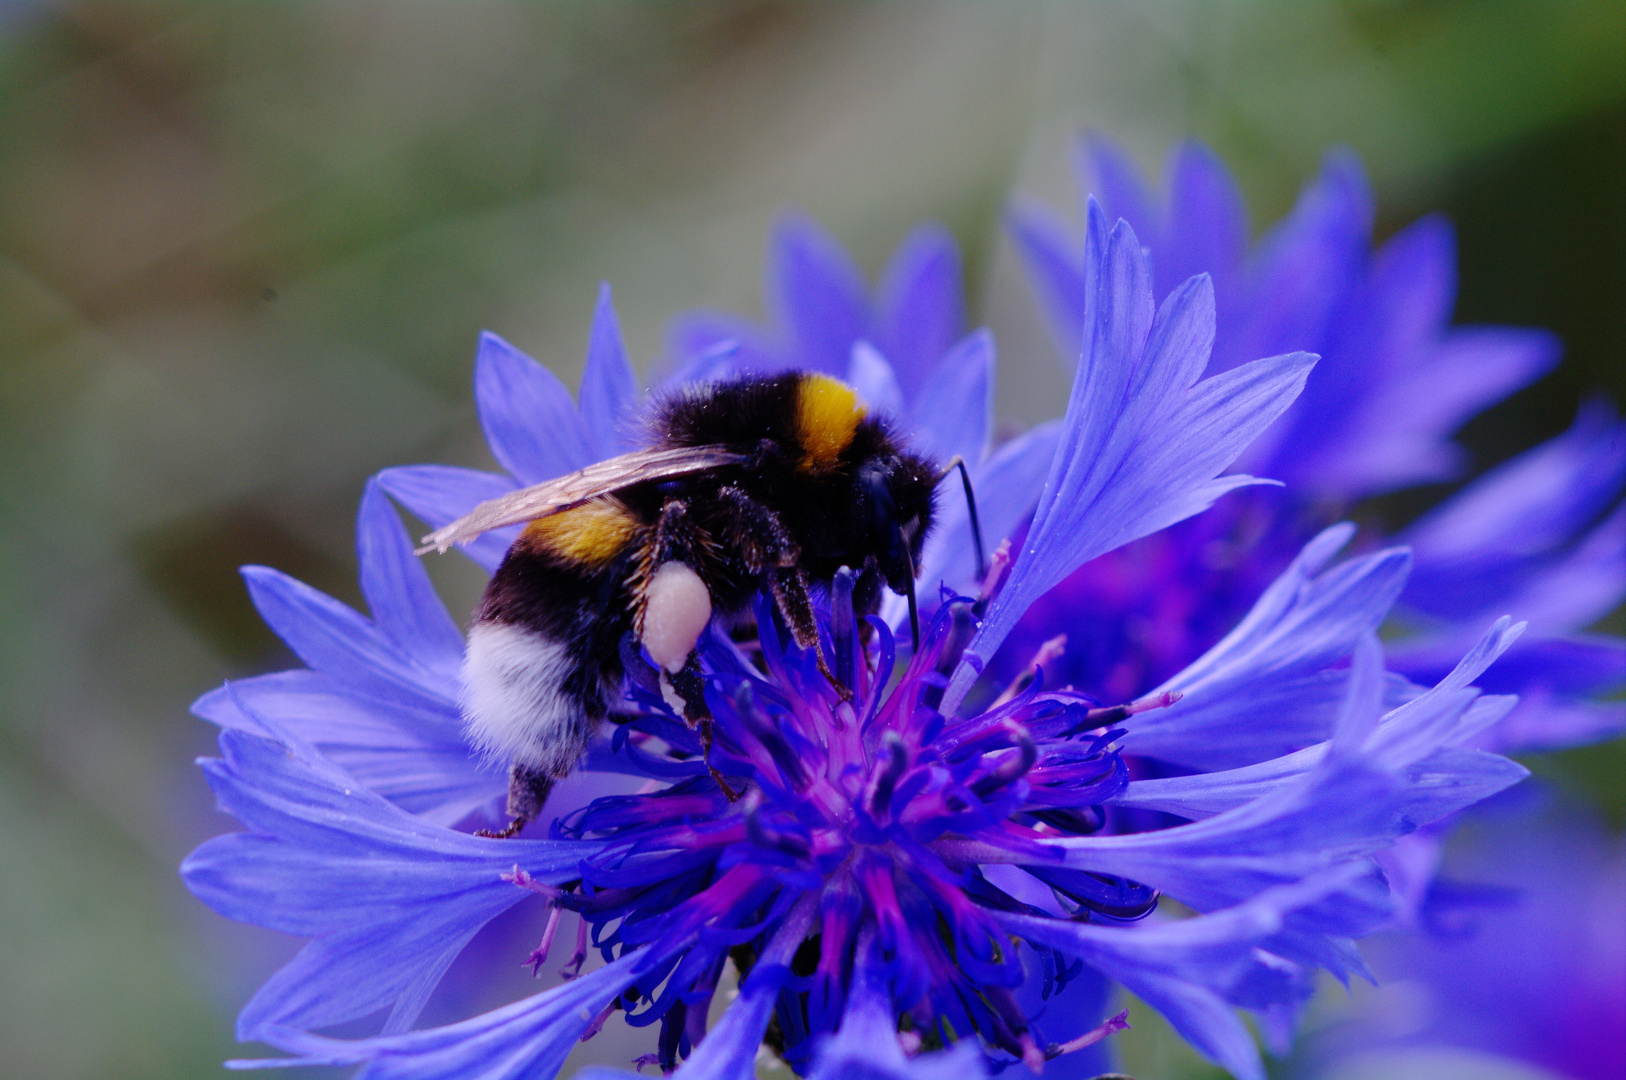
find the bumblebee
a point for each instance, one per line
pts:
(768, 483)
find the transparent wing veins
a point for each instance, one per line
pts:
(573, 489)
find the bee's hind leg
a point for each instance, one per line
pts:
(527, 790)
(690, 686)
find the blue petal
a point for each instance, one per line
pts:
(711, 345)
(1474, 549)
(609, 390)
(866, 1047)
(817, 293)
(1396, 312)
(390, 899)
(331, 638)
(1440, 782)
(1139, 451)
(954, 411)
(1576, 588)
(1069, 1012)
(921, 310)
(1398, 433)
(531, 424)
(440, 494)
(1207, 224)
(1007, 485)
(315, 707)
(1011, 480)
(397, 587)
(1264, 689)
(1410, 742)
(1545, 722)
(1124, 191)
(1205, 1020)
(869, 373)
(1576, 665)
(1394, 383)
(1053, 265)
(414, 756)
(1303, 268)
(1342, 808)
(1412, 731)
(1362, 706)
(1192, 969)
(729, 1050)
(529, 1038)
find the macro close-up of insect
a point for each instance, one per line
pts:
(488, 596)
(769, 483)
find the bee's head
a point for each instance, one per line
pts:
(896, 492)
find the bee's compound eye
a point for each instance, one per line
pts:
(677, 607)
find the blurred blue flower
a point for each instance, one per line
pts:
(929, 887)
(1523, 967)
(1539, 536)
(821, 307)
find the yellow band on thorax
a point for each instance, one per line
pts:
(592, 534)
(827, 414)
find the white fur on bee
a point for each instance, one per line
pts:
(513, 709)
(677, 606)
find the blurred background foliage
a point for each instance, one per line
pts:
(245, 249)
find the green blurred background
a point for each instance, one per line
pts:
(245, 249)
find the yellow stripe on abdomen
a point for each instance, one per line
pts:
(591, 534)
(827, 414)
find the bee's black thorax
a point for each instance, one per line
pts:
(769, 418)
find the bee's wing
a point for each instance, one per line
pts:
(563, 492)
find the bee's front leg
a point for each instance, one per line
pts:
(767, 548)
(690, 685)
(790, 596)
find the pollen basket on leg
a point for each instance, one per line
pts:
(677, 607)
(827, 414)
(591, 534)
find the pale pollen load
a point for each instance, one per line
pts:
(677, 607)
(828, 413)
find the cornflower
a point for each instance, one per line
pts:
(908, 881)
(1539, 535)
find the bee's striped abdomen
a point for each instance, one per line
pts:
(542, 656)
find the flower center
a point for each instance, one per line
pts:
(872, 806)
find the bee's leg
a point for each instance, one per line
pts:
(673, 607)
(527, 790)
(790, 596)
(706, 738)
(756, 532)
(691, 687)
(767, 546)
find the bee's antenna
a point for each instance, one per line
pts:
(914, 610)
(914, 618)
(971, 505)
